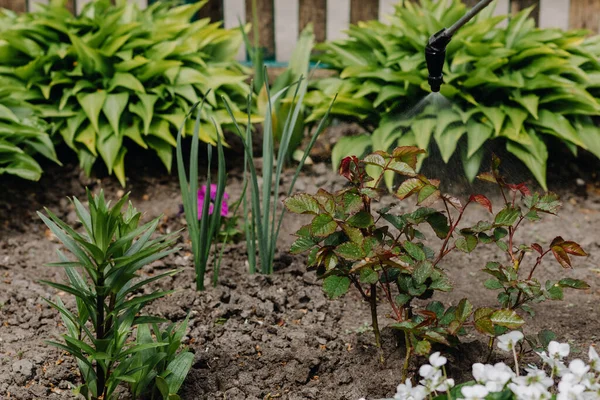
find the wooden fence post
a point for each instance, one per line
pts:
(266, 26)
(15, 5)
(315, 12)
(518, 5)
(363, 10)
(585, 14)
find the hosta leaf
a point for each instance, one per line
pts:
(92, 104)
(113, 109)
(477, 135)
(126, 80)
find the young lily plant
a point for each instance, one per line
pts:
(103, 275)
(351, 243)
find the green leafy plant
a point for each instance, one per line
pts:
(297, 68)
(261, 204)
(109, 253)
(518, 285)
(160, 370)
(350, 243)
(117, 75)
(23, 135)
(516, 83)
(203, 227)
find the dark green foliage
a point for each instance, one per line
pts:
(23, 136)
(516, 83)
(385, 254)
(105, 280)
(116, 75)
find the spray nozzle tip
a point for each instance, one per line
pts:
(435, 56)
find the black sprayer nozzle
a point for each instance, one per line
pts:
(435, 55)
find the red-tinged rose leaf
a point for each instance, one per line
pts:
(487, 177)
(375, 159)
(537, 248)
(561, 256)
(557, 241)
(345, 168)
(453, 201)
(524, 189)
(481, 199)
(409, 187)
(407, 154)
(573, 248)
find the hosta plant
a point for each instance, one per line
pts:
(517, 83)
(104, 277)
(23, 136)
(115, 75)
(384, 254)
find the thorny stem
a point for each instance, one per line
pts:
(386, 289)
(382, 173)
(374, 322)
(407, 357)
(518, 302)
(443, 251)
(491, 349)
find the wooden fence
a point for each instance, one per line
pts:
(280, 21)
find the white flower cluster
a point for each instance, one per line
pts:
(577, 381)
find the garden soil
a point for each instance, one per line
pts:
(255, 336)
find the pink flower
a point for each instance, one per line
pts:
(213, 195)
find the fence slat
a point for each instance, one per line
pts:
(554, 14)
(386, 7)
(338, 18)
(265, 26)
(518, 5)
(585, 14)
(313, 12)
(141, 3)
(363, 10)
(79, 4)
(286, 28)
(234, 11)
(15, 5)
(32, 5)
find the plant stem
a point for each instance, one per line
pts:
(101, 382)
(491, 349)
(516, 361)
(374, 321)
(407, 357)
(452, 229)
